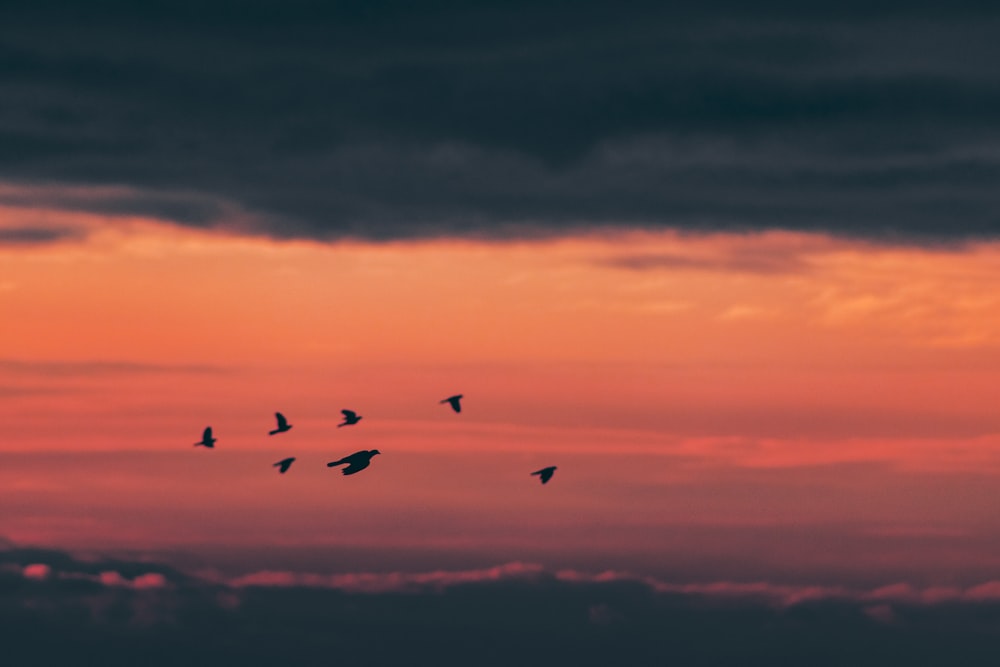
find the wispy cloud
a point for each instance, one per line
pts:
(397, 582)
(56, 566)
(781, 595)
(32, 236)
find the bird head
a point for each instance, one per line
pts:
(373, 452)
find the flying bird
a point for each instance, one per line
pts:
(454, 401)
(356, 461)
(350, 417)
(206, 438)
(545, 473)
(283, 424)
(285, 464)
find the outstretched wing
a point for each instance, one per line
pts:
(355, 466)
(545, 473)
(282, 422)
(454, 402)
(285, 464)
(207, 435)
(349, 415)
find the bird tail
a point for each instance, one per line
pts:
(273, 432)
(334, 463)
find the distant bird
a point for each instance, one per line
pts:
(454, 401)
(206, 438)
(545, 473)
(283, 424)
(356, 461)
(285, 464)
(350, 417)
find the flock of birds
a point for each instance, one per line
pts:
(358, 460)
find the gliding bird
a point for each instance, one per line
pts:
(285, 464)
(454, 402)
(545, 473)
(356, 461)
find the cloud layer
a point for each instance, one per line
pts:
(56, 606)
(325, 121)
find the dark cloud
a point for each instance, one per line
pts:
(184, 207)
(24, 236)
(56, 608)
(381, 120)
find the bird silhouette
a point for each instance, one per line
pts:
(454, 401)
(283, 424)
(545, 473)
(356, 461)
(350, 417)
(206, 438)
(285, 464)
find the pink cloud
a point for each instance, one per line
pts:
(376, 582)
(987, 592)
(898, 592)
(149, 580)
(879, 600)
(113, 579)
(939, 594)
(37, 571)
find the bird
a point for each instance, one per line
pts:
(283, 424)
(206, 438)
(545, 473)
(350, 417)
(356, 461)
(285, 464)
(454, 401)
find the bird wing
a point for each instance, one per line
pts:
(545, 473)
(282, 422)
(207, 435)
(355, 466)
(349, 414)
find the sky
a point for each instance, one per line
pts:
(733, 270)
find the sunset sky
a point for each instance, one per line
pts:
(735, 272)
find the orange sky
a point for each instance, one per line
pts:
(735, 385)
